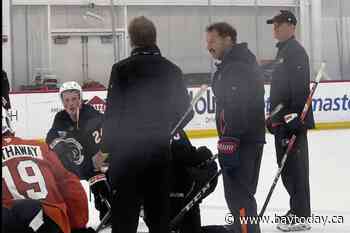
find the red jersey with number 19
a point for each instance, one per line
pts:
(30, 170)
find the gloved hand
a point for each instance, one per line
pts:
(201, 175)
(272, 126)
(293, 123)
(102, 192)
(205, 155)
(228, 153)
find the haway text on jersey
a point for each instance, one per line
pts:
(15, 151)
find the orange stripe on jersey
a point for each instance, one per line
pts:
(58, 213)
(244, 226)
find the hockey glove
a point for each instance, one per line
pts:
(201, 175)
(102, 191)
(205, 156)
(272, 126)
(228, 154)
(282, 136)
(293, 123)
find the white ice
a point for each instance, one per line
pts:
(329, 183)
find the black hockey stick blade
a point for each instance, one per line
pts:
(104, 222)
(176, 220)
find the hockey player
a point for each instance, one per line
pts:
(191, 170)
(75, 136)
(38, 193)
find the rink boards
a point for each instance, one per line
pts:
(32, 113)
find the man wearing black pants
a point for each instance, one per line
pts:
(239, 91)
(146, 98)
(295, 174)
(290, 87)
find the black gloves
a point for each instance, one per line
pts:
(205, 155)
(102, 192)
(273, 126)
(203, 172)
(293, 123)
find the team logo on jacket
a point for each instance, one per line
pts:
(98, 103)
(78, 157)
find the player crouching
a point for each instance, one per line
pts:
(38, 193)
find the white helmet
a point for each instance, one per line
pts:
(71, 86)
(6, 122)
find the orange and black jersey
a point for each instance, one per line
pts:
(31, 171)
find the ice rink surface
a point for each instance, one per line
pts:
(329, 183)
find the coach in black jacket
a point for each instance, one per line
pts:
(239, 92)
(290, 87)
(146, 97)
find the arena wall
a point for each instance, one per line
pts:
(33, 112)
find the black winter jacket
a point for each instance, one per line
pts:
(239, 91)
(146, 97)
(290, 83)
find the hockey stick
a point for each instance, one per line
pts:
(273, 112)
(203, 88)
(199, 195)
(196, 198)
(291, 141)
(105, 218)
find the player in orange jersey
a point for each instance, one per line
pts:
(38, 193)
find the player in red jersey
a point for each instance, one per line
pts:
(38, 193)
